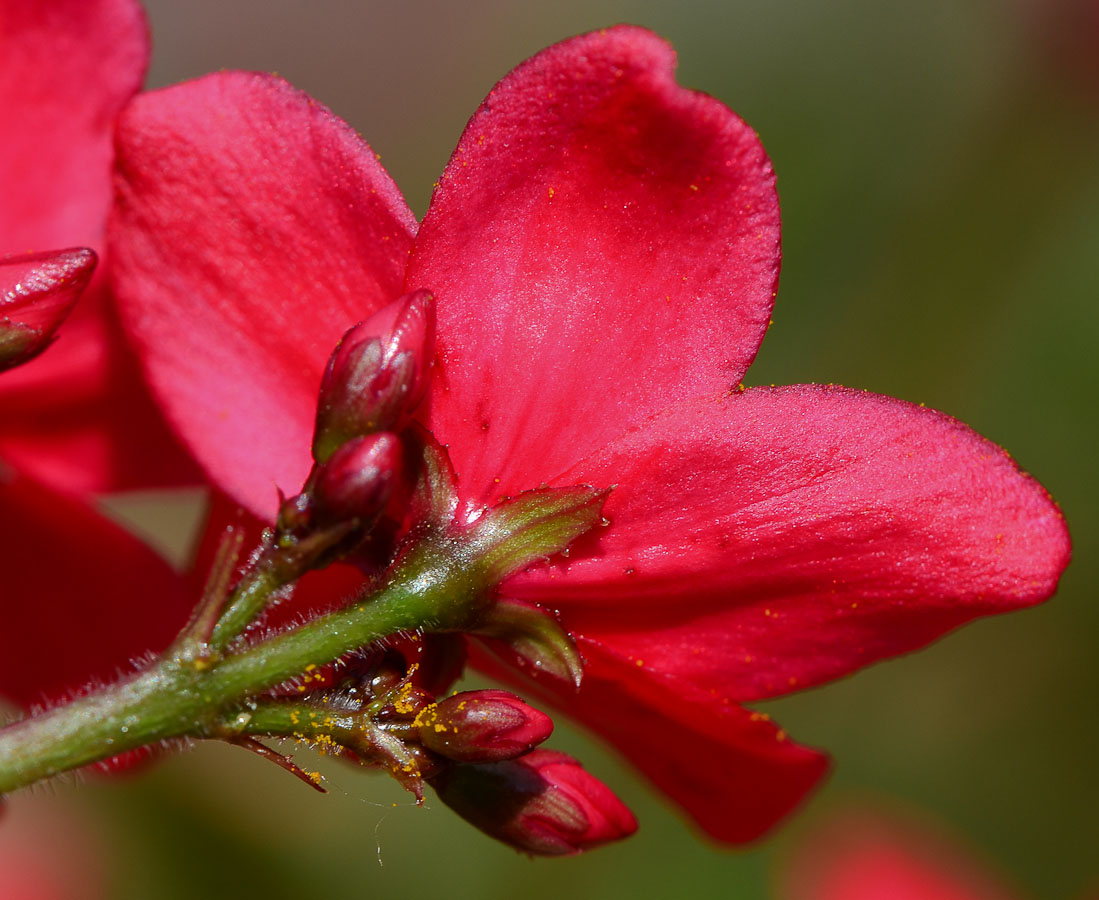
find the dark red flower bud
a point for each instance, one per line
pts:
(377, 374)
(482, 726)
(37, 292)
(543, 803)
(359, 478)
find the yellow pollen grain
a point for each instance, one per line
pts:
(694, 187)
(551, 193)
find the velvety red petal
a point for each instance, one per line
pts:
(864, 856)
(731, 769)
(66, 69)
(777, 538)
(82, 598)
(602, 243)
(252, 229)
(80, 418)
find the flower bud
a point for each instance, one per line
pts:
(37, 292)
(377, 374)
(358, 479)
(543, 803)
(482, 726)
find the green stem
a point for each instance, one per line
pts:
(249, 598)
(443, 582)
(185, 696)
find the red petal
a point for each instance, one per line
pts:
(78, 416)
(66, 69)
(779, 538)
(82, 597)
(253, 227)
(602, 243)
(733, 770)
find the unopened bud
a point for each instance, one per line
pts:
(377, 374)
(359, 478)
(482, 726)
(542, 803)
(37, 292)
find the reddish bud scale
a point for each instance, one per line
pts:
(37, 292)
(543, 803)
(482, 726)
(359, 478)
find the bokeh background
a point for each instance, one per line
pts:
(938, 165)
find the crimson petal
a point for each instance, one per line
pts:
(602, 243)
(82, 598)
(779, 538)
(252, 228)
(733, 770)
(78, 416)
(66, 69)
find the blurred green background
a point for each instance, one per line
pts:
(938, 165)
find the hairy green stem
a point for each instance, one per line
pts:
(443, 581)
(186, 696)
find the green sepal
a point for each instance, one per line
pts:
(533, 526)
(535, 636)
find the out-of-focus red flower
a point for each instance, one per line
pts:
(863, 855)
(1067, 32)
(49, 852)
(80, 597)
(603, 248)
(79, 416)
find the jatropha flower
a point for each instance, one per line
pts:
(75, 418)
(603, 254)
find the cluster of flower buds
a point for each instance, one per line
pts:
(476, 748)
(37, 292)
(374, 380)
(377, 375)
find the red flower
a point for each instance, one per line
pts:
(75, 418)
(604, 250)
(865, 856)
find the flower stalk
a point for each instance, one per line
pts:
(442, 581)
